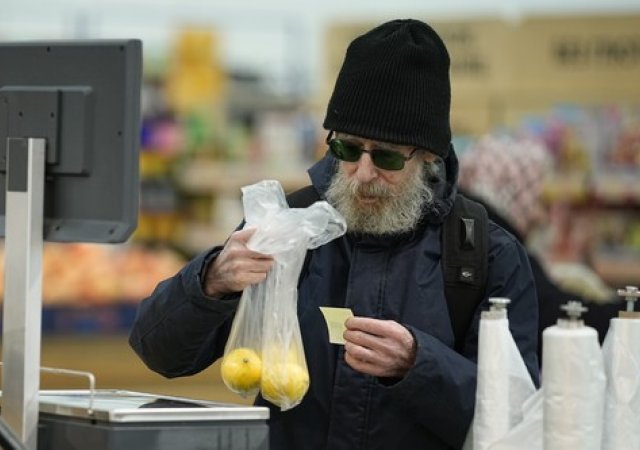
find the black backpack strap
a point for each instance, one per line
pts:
(465, 237)
(303, 198)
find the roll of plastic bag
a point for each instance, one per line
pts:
(503, 385)
(621, 351)
(526, 435)
(573, 381)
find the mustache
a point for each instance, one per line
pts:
(370, 190)
(397, 208)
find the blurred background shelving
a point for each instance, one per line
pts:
(233, 94)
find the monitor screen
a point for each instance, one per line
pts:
(83, 98)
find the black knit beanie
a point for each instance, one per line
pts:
(394, 87)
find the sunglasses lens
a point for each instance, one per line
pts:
(383, 159)
(344, 151)
(387, 159)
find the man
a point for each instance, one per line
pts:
(397, 382)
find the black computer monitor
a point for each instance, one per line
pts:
(83, 97)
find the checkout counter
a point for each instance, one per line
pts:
(125, 420)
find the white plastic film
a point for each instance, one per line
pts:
(527, 435)
(504, 384)
(573, 381)
(621, 350)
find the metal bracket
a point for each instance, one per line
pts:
(76, 373)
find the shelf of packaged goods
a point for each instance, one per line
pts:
(227, 178)
(606, 189)
(223, 182)
(571, 187)
(618, 272)
(620, 188)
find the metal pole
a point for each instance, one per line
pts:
(22, 307)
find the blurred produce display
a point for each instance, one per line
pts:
(100, 274)
(590, 138)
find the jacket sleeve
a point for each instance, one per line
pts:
(439, 391)
(178, 330)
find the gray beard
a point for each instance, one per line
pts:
(398, 208)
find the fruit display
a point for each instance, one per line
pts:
(100, 274)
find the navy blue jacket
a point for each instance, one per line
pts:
(179, 331)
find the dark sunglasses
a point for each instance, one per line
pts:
(383, 159)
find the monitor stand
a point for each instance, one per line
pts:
(22, 308)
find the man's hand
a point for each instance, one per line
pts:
(382, 348)
(236, 267)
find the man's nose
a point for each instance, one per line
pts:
(366, 170)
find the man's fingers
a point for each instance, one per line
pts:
(237, 267)
(237, 246)
(362, 338)
(238, 253)
(378, 347)
(240, 273)
(375, 345)
(252, 278)
(367, 324)
(359, 360)
(243, 235)
(376, 327)
(360, 353)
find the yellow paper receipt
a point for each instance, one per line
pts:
(335, 318)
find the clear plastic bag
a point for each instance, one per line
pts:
(265, 334)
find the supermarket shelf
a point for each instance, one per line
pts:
(612, 188)
(618, 271)
(198, 237)
(223, 182)
(113, 318)
(227, 178)
(567, 186)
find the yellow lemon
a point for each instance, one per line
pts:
(280, 355)
(241, 370)
(284, 384)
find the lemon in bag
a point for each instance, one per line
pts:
(284, 384)
(241, 370)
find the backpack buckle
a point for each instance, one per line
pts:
(467, 231)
